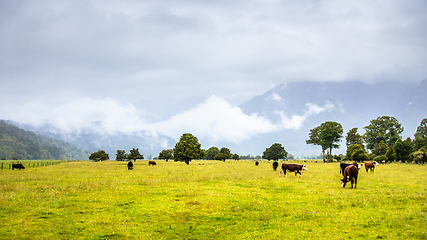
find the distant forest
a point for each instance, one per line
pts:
(16, 143)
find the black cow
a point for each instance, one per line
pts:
(130, 165)
(275, 165)
(17, 166)
(292, 167)
(350, 172)
(152, 163)
(256, 163)
(344, 165)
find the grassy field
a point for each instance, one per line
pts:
(210, 200)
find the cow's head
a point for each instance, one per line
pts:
(304, 167)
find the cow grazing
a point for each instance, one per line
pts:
(351, 173)
(344, 165)
(17, 166)
(256, 163)
(370, 165)
(292, 167)
(130, 165)
(152, 163)
(275, 165)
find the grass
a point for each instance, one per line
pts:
(210, 200)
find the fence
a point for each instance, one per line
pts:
(28, 164)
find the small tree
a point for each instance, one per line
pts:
(403, 149)
(353, 138)
(100, 155)
(223, 154)
(166, 154)
(275, 152)
(187, 148)
(134, 154)
(211, 153)
(235, 156)
(120, 155)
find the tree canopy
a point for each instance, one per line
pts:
(223, 154)
(166, 154)
(353, 137)
(211, 153)
(134, 154)
(420, 135)
(100, 155)
(187, 148)
(327, 135)
(385, 128)
(121, 155)
(275, 152)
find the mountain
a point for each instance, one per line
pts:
(293, 108)
(25, 145)
(353, 104)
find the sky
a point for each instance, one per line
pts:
(170, 67)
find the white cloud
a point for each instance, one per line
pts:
(216, 120)
(296, 121)
(213, 121)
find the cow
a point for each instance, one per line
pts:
(130, 165)
(152, 163)
(275, 165)
(350, 172)
(292, 167)
(17, 166)
(370, 165)
(256, 163)
(344, 165)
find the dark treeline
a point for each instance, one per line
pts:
(16, 143)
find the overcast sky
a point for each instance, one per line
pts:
(157, 65)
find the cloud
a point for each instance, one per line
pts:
(216, 120)
(296, 121)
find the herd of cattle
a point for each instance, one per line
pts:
(350, 171)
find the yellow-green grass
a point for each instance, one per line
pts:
(210, 200)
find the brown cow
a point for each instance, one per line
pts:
(351, 172)
(370, 165)
(292, 167)
(152, 163)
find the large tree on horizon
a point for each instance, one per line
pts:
(385, 128)
(327, 135)
(275, 152)
(188, 148)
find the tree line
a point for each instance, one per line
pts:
(381, 141)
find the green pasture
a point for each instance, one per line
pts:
(210, 200)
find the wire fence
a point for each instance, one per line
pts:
(8, 165)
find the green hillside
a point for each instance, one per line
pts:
(16, 143)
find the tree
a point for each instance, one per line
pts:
(403, 149)
(353, 138)
(134, 154)
(314, 138)
(223, 154)
(331, 134)
(380, 148)
(354, 148)
(235, 156)
(275, 152)
(384, 128)
(187, 148)
(420, 136)
(211, 153)
(120, 155)
(166, 154)
(100, 155)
